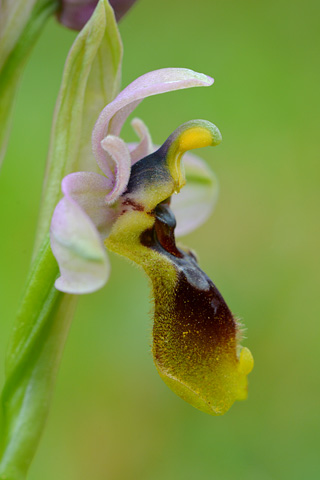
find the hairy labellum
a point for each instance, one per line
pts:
(195, 336)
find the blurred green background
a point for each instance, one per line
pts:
(112, 417)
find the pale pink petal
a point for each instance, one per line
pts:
(89, 191)
(145, 147)
(195, 202)
(77, 246)
(115, 113)
(118, 151)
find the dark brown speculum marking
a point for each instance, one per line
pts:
(129, 202)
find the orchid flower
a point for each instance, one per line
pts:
(84, 217)
(124, 200)
(195, 337)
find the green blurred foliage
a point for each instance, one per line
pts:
(112, 417)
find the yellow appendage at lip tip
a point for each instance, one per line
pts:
(246, 361)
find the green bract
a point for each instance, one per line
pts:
(91, 78)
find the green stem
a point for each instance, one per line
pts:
(13, 66)
(32, 362)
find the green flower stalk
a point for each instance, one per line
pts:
(32, 361)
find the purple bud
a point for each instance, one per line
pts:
(121, 7)
(74, 14)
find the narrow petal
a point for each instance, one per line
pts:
(89, 191)
(145, 146)
(118, 151)
(115, 113)
(76, 244)
(195, 203)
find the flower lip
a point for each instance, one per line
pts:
(195, 336)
